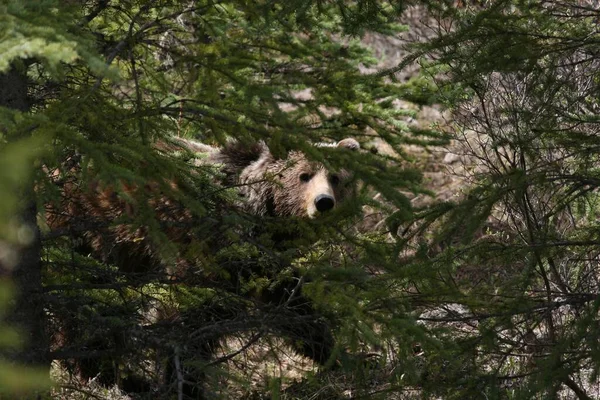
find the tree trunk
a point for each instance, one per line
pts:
(27, 314)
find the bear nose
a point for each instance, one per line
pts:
(324, 202)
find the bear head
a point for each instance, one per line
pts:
(294, 186)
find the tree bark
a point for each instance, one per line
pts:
(27, 314)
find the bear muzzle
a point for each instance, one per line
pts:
(324, 202)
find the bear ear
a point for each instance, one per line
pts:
(349, 143)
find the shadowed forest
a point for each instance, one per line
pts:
(349, 199)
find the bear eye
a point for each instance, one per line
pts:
(305, 177)
(335, 180)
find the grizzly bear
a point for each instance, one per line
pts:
(267, 186)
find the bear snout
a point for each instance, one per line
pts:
(324, 202)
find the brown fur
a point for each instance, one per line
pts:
(88, 213)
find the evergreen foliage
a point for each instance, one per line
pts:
(110, 84)
(151, 279)
(513, 265)
(16, 159)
